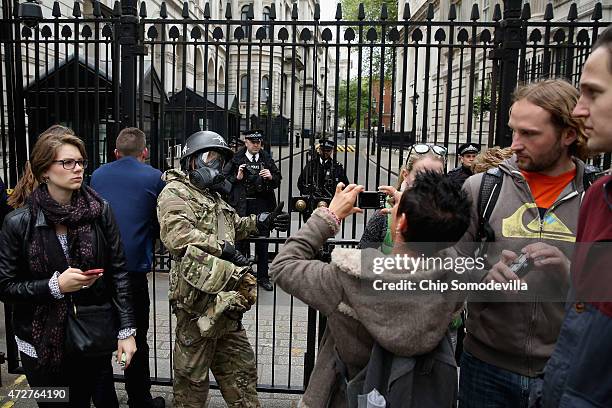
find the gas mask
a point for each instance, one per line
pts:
(207, 175)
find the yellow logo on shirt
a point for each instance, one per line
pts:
(552, 227)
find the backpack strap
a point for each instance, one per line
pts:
(490, 187)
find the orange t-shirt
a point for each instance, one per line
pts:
(545, 189)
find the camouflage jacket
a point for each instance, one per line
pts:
(193, 225)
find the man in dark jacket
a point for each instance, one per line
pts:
(254, 177)
(578, 372)
(467, 153)
(321, 174)
(131, 187)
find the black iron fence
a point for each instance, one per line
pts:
(431, 75)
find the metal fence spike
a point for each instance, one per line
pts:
(97, 10)
(597, 12)
(76, 9)
(475, 13)
(497, 14)
(361, 12)
(430, 11)
(526, 12)
(573, 12)
(339, 11)
(185, 12)
(406, 14)
(548, 12)
(56, 10)
(452, 13)
(163, 10)
(143, 10)
(228, 11)
(207, 10)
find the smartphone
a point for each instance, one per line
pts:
(93, 272)
(520, 266)
(371, 199)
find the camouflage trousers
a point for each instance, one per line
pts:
(230, 358)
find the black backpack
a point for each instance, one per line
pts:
(491, 185)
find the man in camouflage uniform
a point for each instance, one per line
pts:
(210, 287)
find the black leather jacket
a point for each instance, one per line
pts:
(18, 287)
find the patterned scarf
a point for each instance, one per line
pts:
(49, 322)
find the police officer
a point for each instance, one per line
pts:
(254, 177)
(210, 287)
(467, 153)
(321, 175)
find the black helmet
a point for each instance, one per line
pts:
(203, 141)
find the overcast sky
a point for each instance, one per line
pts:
(328, 9)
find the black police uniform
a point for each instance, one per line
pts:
(320, 177)
(461, 173)
(254, 195)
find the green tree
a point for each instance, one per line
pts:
(372, 10)
(350, 91)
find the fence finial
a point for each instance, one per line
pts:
(475, 13)
(526, 12)
(452, 13)
(56, 9)
(294, 12)
(361, 12)
(163, 10)
(272, 11)
(185, 13)
(548, 12)
(384, 14)
(251, 12)
(497, 14)
(143, 10)
(339, 11)
(430, 11)
(207, 10)
(406, 14)
(317, 12)
(117, 8)
(573, 12)
(597, 12)
(228, 11)
(97, 10)
(76, 9)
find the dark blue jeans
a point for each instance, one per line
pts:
(482, 385)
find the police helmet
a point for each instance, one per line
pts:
(201, 142)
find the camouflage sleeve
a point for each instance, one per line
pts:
(245, 226)
(176, 213)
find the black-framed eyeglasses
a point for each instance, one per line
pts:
(70, 164)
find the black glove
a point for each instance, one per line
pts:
(276, 219)
(229, 253)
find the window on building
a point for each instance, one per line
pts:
(244, 12)
(243, 88)
(265, 89)
(266, 17)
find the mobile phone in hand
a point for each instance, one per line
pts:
(93, 272)
(371, 200)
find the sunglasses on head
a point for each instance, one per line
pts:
(423, 148)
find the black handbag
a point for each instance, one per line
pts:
(91, 330)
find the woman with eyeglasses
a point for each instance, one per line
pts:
(421, 157)
(62, 268)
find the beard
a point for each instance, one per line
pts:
(542, 162)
